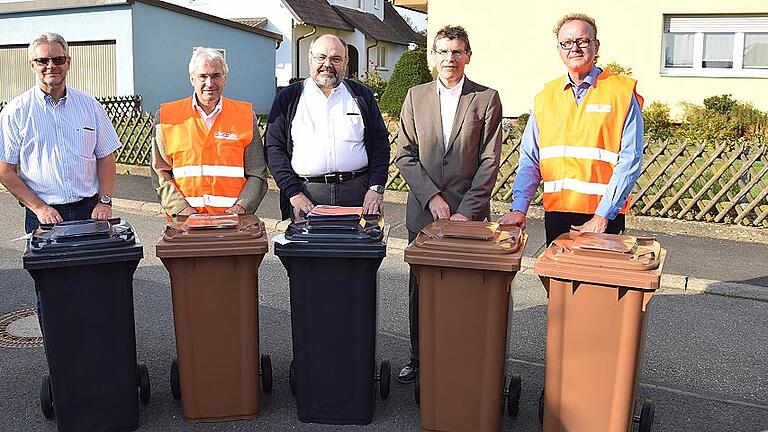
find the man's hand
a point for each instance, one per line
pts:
(188, 211)
(48, 215)
(372, 202)
(597, 224)
(459, 217)
(101, 211)
(439, 208)
(514, 217)
(301, 203)
(235, 209)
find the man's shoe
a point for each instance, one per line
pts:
(409, 373)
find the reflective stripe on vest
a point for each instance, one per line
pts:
(207, 164)
(579, 144)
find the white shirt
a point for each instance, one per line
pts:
(207, 118)
(449, 103)
(327, 132)
(56, 144)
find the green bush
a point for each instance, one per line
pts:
(617, 69)
(722, 118)
(410, 70)
(658, 125)
(373, 80)
(522, 121)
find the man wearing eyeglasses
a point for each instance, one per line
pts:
(326, 140)
(57, 144)
(584, 140)
(448, 151)
(207, 150)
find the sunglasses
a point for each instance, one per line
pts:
(58, 60)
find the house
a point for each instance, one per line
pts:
(682, 50)
(143, 47)
(375, 32)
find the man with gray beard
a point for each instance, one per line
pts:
(326, 142)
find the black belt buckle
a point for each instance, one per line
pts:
(332, 178)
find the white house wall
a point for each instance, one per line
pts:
(356, 38)
(88, 24)
(367, 6)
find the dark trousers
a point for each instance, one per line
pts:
(349, 193)
(413, 309)
(558, 223)
(73, 211)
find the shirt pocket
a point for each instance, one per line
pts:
(83, 143)
(349, 128)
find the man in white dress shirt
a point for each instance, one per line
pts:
(57, 144)
(326, 142)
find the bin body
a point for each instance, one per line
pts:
(86, 300)
(214, 287)
(595, 328)
(465, 271)
(333, 289)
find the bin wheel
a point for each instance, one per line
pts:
(175, 384)
(385, 377)
(513, 394)
(292, 378)
(645, 419)
(541, 407)
(46, 398)
(266, 373)
(417, 391)
(145, 389)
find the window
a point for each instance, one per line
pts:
(377, 4)
(716, 46)
(381, 57)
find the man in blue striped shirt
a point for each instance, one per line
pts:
(57, 144)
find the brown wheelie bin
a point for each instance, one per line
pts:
(599, 286)
(465, 272)
(213, 262)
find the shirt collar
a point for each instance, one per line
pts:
(46, 98)
(215, 111)
(310, 85)
(451, 91)
(589, 81)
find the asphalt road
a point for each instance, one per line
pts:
(704, 362)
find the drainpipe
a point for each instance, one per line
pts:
(368, 54)
(298, 51)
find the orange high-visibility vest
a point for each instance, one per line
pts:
(579, 144)
(207, 164)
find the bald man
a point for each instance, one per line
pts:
(326, 141)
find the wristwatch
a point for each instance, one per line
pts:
(105, 199)
(377, 188)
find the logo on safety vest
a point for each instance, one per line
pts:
(602, 108)
(225, 136)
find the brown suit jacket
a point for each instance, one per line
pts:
(463, 172)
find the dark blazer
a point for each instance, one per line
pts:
(463, 172)
(278, 147)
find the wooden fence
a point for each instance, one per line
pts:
(711, 182)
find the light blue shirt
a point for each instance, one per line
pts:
(55, 145)
(625, 173)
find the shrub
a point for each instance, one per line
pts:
(522, 121)
(410, 70)
(617, 69)
(723, 118)
(373, 80)
(658, 125)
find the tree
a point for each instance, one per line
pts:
(410, 70)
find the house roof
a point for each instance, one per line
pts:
(258, 22)
(46, 5)
(392, 29)
(318, 13)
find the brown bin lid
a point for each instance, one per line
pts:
(468, 244)
(603, 258)
(202, 235)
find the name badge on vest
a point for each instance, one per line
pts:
(601, 108)
(225, 136)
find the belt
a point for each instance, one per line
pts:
(337, 177)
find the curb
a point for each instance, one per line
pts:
(682, 283)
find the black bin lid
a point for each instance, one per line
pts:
(81, 242)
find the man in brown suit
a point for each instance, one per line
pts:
(448, 151)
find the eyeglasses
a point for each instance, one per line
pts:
(567, 45)
(449, 53)
(322, 58)
(58, 60)
(213, 77)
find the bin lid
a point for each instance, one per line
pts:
(202, 235)
(335, 232)
(603, 258)
(468, 244)
(81, 242)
